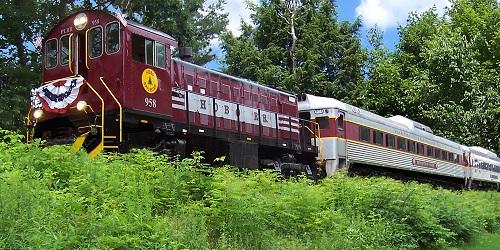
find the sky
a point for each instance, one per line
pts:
(387, 15)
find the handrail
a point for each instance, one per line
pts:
(86, 50)
(69, 54)
(119, 106)
(28, 124)
(318, 136)
(102, 111)
(320, 141)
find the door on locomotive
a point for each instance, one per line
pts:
(340, 126)
(92, 140)
(80, 67)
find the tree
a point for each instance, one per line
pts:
(193, 23)
(22, 21)
(299, 46)
(381, 91)
(446, 70)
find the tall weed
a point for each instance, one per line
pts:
(50, 199)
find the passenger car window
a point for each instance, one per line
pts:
(437, 153)
(401, 143)
(51, 53)
(94, 41)
(364, 133)
(420, 148)
(444, 155)
(64, 50)
(112, 37)
(378, 137)
(411, 146)
(389, 140)
(451, 157)
(430, 151)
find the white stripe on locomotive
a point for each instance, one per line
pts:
(227, 110)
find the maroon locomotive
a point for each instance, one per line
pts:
(111, 84)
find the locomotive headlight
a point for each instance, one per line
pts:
(80, 21)
(38, 113)
(81, 105)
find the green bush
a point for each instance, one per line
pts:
(50, 199)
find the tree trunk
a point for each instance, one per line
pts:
(21, 52)
(127, 8)
(293, 55)
(61, 9)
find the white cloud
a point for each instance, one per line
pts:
(237, 10)
(391, 13)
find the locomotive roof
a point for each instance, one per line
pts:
(235, 78)
(396, 122)
(149, 29)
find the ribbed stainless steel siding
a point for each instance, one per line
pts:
(363, 153)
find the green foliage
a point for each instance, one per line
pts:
(299, 46)
(21, 22)
(483, 241)
(52, 199)
(444, 73)
(193, 23)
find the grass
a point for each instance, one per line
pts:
(50, 199)
(486, 241)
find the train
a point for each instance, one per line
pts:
(112, 84)
(398, 146)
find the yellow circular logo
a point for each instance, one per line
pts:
(149, 81)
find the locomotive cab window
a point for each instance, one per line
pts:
(140, 50)
(322, 122)
(364, 134)
(161, 55)
(340, 122)
(64, 50)
(94, 41)
(112, 37)
(51, 53)
(148, 51)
